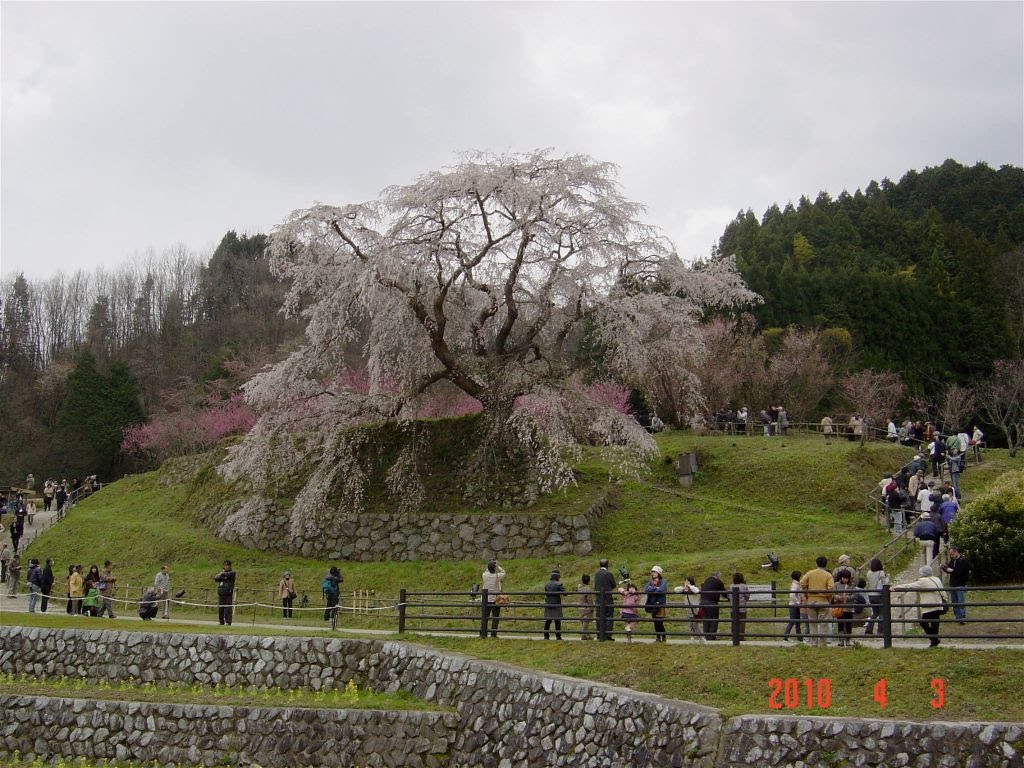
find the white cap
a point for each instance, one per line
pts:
(657, 569)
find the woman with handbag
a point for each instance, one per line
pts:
(286, 590)
(842, 611)
(931, 602)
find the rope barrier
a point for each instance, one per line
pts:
(159, 601)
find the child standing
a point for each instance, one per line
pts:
(630, 601)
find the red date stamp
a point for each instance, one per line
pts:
(816, 693)
(794, 694)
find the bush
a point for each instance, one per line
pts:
(991, 531)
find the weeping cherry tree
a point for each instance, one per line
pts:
(507, 277)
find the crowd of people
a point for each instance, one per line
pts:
(823, 605)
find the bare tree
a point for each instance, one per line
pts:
(489, 276)
(875, 396)
(955, 405)
(1001, 398)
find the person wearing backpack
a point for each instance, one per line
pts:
(331, 586)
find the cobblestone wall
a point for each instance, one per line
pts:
(38, 726)
(260, 524)
(507, 716)
(795, 742)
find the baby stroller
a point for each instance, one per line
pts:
(148, 604)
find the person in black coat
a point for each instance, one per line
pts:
(712, 591)
(959, 571)
(604, 590)
(553, 592)
(47, 584)
(225, 593)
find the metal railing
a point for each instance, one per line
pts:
(997, 614)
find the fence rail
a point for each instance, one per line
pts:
(767, 615)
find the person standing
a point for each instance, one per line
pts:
(162, 586)
(286, 591)
(739, 586)
(5, 561)
(959, 571)
(225, 594)
(34, 581)
(13, 574)
(656, 604)
(712, 592)
(553, 592)
(492, 579)
(604, 587)
(105, 587)
(826, 427)
(48, 490)
(796, 600)
(818, 585)
(76, 590)
(60, 496)
(930, 597)
(876, 579)
(976, 442)
(46, 584)
(331, 586)
(691, 594)
(586, 595)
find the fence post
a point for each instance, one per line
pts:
(483, 613)
(775, 603)
(886, 617)
(401, 610)
(734, 610)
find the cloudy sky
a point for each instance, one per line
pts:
(129, 127)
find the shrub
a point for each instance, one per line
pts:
(991, 531)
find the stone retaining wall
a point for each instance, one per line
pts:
(171, 734)
(830, 742)
(508, 716)
(262, 525)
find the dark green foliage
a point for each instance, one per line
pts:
(913, 270)
(95, 412)
(991, 531)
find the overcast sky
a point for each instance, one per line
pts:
(135, 126)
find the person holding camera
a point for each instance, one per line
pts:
(491, 581)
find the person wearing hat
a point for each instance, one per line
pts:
(844, 565)
(553, 592)
(656, 590)
(491, 581)
(286, 591)
(959, 571)
(931, 601)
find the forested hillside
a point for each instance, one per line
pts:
(926, 274)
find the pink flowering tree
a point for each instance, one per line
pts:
(488, 278)
(188, 431)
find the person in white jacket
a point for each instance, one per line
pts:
(491, 581)
(931, 602)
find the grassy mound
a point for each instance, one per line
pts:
(796, 496)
